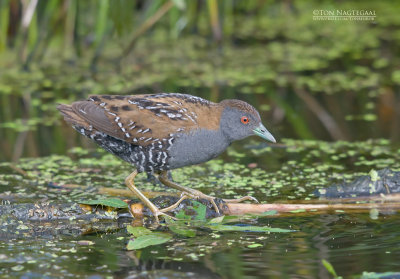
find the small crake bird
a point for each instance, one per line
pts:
(160, 132)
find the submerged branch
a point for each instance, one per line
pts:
(241, 208)
(72, 211)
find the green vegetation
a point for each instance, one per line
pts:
(188, 226)
(328, 91)
(310, 79)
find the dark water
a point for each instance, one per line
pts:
(353, 243)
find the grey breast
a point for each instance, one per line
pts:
(196, 147)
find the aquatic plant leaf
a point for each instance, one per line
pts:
(255, 245)
(181, 215)
(113, 202)
(237, 228)
(216, 220)
(154, 238)
(374, 275)
(301, 210)
(374, 175)
(329, 268)
(200, 212)
(137, 231)
(180, 228)
(268, 213)
(200, 209)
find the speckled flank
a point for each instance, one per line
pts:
(146, 158)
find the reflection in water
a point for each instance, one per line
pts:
(351, 243)
(168, 269)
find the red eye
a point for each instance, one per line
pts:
(245, 120)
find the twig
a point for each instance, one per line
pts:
(326, 119)
(129, 193)
(19, 170)
(147, 24)
(114, 191)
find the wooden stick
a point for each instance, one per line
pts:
(128, 193)
(244, 208)
(378, 198)
(118, 192)
(354, 205)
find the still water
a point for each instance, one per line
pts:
(352, 242)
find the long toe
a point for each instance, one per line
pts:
(161, 213)
(200, 195)
(175, 205)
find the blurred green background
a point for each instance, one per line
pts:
(330, 80)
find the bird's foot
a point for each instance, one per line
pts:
(136, 211)
(184, 196)
(161, 212)
(194, 194)
(199, 195)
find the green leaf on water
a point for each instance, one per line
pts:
(17, 267)
(216, 220)
(255, 245)
(180, 228)
(236, 228)
(268, 213)
(154, 238)
(234, 218)
(329, 268)
(373, 275)
(374, 175)
(199, 208)
(181, 215)
(113, 202)
(137, 231)
(297, 210)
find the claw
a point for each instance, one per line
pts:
(199, 195)
(161, 213)
(188, 192)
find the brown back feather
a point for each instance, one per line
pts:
(148, 117)
(71, 117)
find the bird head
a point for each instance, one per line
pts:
(240, 120)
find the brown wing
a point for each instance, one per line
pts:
(142, 119)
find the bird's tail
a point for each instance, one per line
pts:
(71, 117)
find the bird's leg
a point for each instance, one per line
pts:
(190, 192)
(195, 193)
(129, 181)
